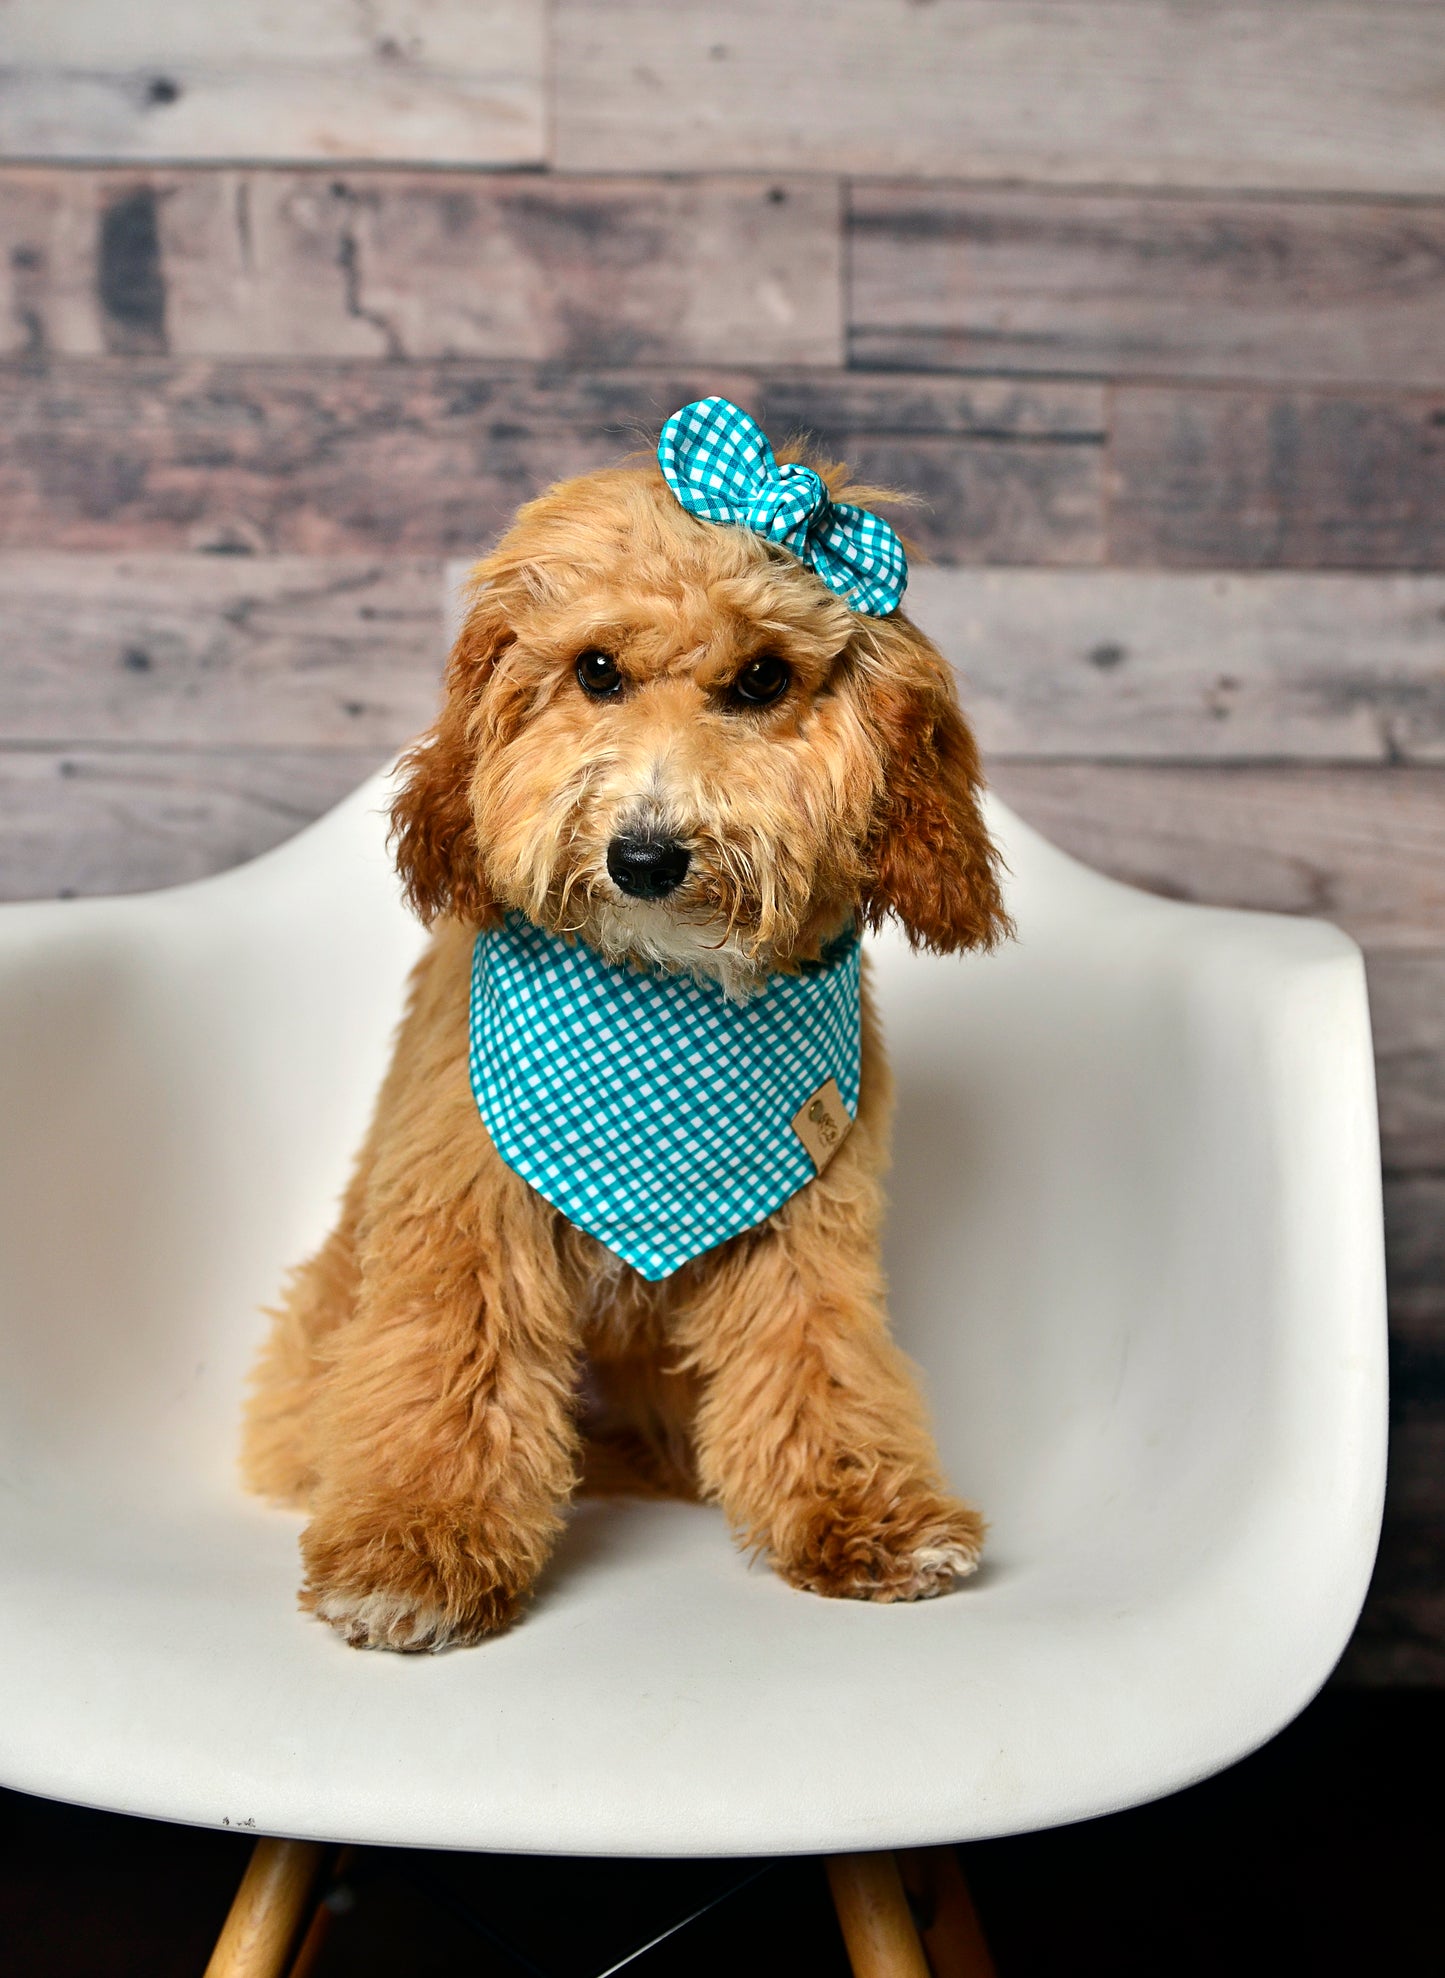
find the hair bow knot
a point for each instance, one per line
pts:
(718, 463)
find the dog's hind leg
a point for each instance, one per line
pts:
(276, 1455)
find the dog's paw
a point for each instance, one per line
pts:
(414, 1581)
(907, 1545)
(382, 1620)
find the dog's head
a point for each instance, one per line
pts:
(669, 738)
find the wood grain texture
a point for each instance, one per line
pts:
(302, 652)
(830, 405)
(1004, 472)
(1136, 286)
(874, 1916)
(271, 1910)
(988, 500)
(409, 264)
(1415, 1231)
(85, 821)
(1302, 480)
(319, 459)
(433, 459)
(1150, 665)
(948, 1920)
(1100, 664)
(1340, 94)
(457, 81)
(1407, 1012)
(1364, 848)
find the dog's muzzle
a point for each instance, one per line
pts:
(647, 868)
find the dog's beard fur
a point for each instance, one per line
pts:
(760, 894)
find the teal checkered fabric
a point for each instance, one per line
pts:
(651, 1110)
(718, 463)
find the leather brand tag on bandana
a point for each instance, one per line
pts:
(822, 1123)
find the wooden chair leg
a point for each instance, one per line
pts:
(873, 1913)
(271, 1910)
(322, 1917)
(947, 1920)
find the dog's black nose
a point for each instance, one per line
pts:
(648, 868)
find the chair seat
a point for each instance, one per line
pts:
(1135, 1243)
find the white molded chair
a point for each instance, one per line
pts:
(1135, 1242)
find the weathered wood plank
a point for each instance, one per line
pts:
(232, 651)
(1415, 1236)
(79, 821)
(323, 459)
(1171, 664)
(459, 81)
(330, 458)
(1297, 480)
(829, 405)
(407, 264)
(1407, 1012)
(1364, 848)
(989, 501)
(1005, 472)
(432, 459)
(1323, 665)
(1119, 665)
(1136, 286)
(1340, 94)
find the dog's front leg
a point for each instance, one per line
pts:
(446, 1434)
(811, 1432)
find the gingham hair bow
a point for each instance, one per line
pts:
(718, 463)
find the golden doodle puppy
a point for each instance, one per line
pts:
(616, 1221)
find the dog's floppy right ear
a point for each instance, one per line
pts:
(433, 829)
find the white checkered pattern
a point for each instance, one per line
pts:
(718, 463)
(649, 1109)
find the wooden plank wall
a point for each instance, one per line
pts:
(1147, 300)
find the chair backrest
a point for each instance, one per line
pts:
(1127, 1212)
(183, 1078)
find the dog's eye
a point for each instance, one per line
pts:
(597, 673)
(763, 680)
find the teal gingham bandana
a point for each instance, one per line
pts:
(653, 1112)
(718, 463)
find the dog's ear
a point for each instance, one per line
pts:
(432, 827)
(929, 856)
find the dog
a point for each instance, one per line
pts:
(675, 757)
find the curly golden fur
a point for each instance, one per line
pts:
(458, 1358)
